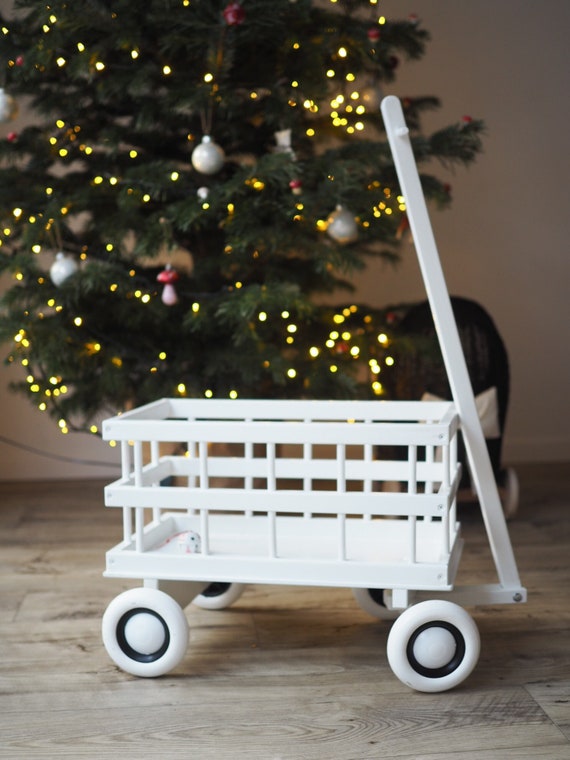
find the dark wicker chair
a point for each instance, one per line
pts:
(419, 369)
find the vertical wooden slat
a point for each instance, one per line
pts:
(341, 488)
(412, 489)
(125, 473)
(271, 485)
(307, 457)
(154, 458)
(138, 463)
(125, 459)
(368, 459)
(429, 483)
(205, 531)
(139, 528)
(453, 515)
(192, 449)
(446, 467)
(127, 523)
(248, 453)
(204, 481)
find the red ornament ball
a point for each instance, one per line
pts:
(12, 136)
(373, 34)
(234, 14)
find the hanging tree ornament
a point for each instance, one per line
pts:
(208, 157)
(283, 142)
(373, 34)
(62, 268)
(8, 106)
(342, 226)
(168, 277)
(234, 14)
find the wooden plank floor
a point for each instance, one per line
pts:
(285, 674)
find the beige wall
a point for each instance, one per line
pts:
(503, 243)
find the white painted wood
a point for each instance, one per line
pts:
(436, 288)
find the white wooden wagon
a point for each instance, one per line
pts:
(216, 494)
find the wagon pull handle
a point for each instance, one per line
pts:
(449, 341)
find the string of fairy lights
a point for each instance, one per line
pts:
(346, 109)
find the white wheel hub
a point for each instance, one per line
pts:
(434, 648)
(145, 633)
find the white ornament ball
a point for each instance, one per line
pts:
(203, 193)
(208, 157)
(62, 268)
(342, 226)
(8, 106)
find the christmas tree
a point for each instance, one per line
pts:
(195, 174)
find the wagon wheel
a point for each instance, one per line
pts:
(373, 601)
(218, 596)
(433, 646)
(145, 632)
